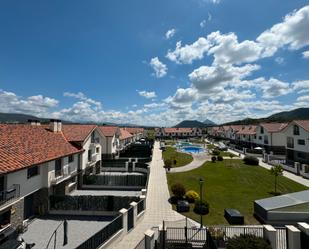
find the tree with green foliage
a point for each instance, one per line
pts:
(247, 241)
(178, 190)
(168, 164)
(276, 171)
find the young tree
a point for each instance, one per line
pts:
(276, 171)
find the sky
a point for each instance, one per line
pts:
(153, 62)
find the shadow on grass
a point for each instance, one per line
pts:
(273, 193)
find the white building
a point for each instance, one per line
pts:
(110, 141)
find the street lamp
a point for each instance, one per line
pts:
(201, 196)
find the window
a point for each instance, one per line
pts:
(58, 167)
(301, 155)
(97, 150)
(260, 137)
(254, 136)
(89, 155)
(265, 139)
(33, 171)
(262, 130)
(71, 158)
(301, 141)
(295, 130)
(290, 142)
(92, 137)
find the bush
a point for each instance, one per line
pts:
(167, 163)
(178, 190)
(219, 158)
(247, 241)
(251, 160)
(201, 207)
(213, 159)
(216, 152)
(192, 196)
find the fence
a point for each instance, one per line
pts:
(140, 206)
(9, 194)
(116, 180)
(90, 203)
(103, 235)
(281, 239)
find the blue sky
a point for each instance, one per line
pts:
(118, 61)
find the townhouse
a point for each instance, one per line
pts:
(246, 135)
(110, 142)
(35, 162)
(297, 142)
(125, 138)
(178, 132)
(137, 133)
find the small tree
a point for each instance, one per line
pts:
(276, 171)
(201, 207)
(178, 190)
(168, 164)
(213, 159)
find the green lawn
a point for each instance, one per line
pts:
(232, 184)
(170, 142)
(226, 154)
(210, 146)
(181, 158)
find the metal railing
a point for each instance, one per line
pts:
(9, 194)
(62, 174)
(140, 206)
(103, 235)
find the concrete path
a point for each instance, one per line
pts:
(198, 160)
(157, 206)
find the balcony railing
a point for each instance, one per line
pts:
(9, 194)
(62, 174)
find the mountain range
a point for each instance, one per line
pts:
(194, 123)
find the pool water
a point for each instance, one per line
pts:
(192, 149)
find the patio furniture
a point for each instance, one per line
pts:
(182, 206)
(233, 216)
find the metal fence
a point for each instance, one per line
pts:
(281, 238)
(103, 235)
(226, 232)
(9, 194)
(116, 180)
(140, 206)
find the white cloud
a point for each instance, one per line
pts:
(306, 54)
(170, 33)
(301, 86)
(147, 95)
(274, 88)
(159, 68)
(203, 24)
(188, 53)
(279, 60)
(83, 97)
(304, 98)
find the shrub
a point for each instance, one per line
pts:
(219, 158)
(192, 196)
(248, 241)
(167, 163)
(213, 159)
(201, 207)
(216, 152)
(178, 190)
(251, 160)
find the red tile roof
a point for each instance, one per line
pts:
(77, 133)
(247, 130)
(273, 127)
(124, 134)
(134, 130)
(108, 131)
(22, 146)
(303, 123)
(177, 130)
(236, 127)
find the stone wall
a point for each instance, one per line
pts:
(17, 214)
(40, 201)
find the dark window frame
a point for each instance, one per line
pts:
(71, 158)
(301, 142)
(33, 171)
(296, 130)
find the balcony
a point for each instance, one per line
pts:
(9, 194)
(93, 159)
(63, 174)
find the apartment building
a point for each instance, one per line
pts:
(137, 133)
(297, 141)
(125, 138)
(35, 161)
(110, 142)
(178, 132)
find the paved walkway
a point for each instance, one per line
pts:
(157, 206)
(198, 160)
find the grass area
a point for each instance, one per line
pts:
(232, 184)
(227, 154)
(181, 158)
(150, 133)
(210, 146)
(170, 142)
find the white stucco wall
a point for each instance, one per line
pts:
(87, 146)
(303, 134)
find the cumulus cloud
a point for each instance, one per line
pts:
(83, 97)
(274, 88)
(186, 54)
(159, 68)
(147, 95)
(301, 86)
(170, 33)
(306, 54)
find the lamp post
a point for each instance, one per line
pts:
(201, 195)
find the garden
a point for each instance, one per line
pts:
(229, 184)
(174, 158)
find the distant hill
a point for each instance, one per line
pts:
(193, 123)
(208, 122)
(300, 113)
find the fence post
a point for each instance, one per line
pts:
(124, 213)
(143, 198)
(149, 239)
(133, 166)
(293, 237)
(270, 233)
(144, 191)
(304, 227)
(133, 204)
(127, 166)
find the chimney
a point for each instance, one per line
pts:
(38, 122)
(53, 125)
(59, 125)
(31, 121)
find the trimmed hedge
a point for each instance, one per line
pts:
(192, 196)
(219, 158)
(201, 207)
(251, 160)
(178, 190)
(213, 159)
(248, 241)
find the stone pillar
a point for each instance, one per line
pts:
(270, 233)
(17, 214)
(143, 197)
(149, 239)
(127, 166)
(293, 237)
(304, 227)
(133, 204)
(144, 191)
(133, 166)
(124, 213)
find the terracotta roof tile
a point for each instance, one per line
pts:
(77, 132)
(134, 130)
(109, 131)
(274, 127)
(248, 130)
(303, 123)
(124, 134)
(24, 145)
(177, 130)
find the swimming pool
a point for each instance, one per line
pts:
(192, 149)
